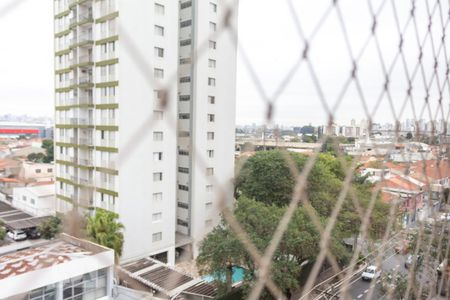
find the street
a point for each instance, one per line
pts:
(359, 289)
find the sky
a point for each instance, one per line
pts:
(269, 38)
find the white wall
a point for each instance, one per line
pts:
(37, 205)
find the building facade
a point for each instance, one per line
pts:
(118, 146)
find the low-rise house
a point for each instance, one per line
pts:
(36, 171)
(65, 268)
(36, 200)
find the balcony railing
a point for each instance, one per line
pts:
(108, 164)
(80, 121)
(107, 55)
(85, 16)
(108, 185)
(107, 143)
(108, 78)
(108, 121)
(85, 100)
(107, 100)
(107, 8)
(86, 141)
(85, 161)
(85, 59)
(85, 79)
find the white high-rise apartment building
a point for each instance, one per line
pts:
(111, 59)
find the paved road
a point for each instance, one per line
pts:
(359, 289)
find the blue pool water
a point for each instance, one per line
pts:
(238, 275)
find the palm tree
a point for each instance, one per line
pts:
(104, 229)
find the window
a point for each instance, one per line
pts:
(158, 114)
(38, 171)
(158, 136)
(185, 79)
(182, 223)
(159, 9)
(102, 134)
(213, 7)
(185, 23)
(208, 205)
(209, 188)
(212, 63)
(156, 217)
(184, 134)
(183, 170)
(156, 237)
(32, 201)
(158, 73)
(157, 176)
(185, 42)
(159, 52)
(212, 26)
(211, 117)
(184, 97)
(50, 170)
(212, 45)
(211, 99)
(184, 116)
(210, 135)
(157, 156)
(157, 196)
(159, 30)
(186, 4)
(210, 153)
(183, 187)
(24, 198)
(209, 171)
(184, 61)
(183, 152)
(183, 205)
(158, 94)
(211, 81)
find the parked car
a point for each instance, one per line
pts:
(372, 272)
(17, 235)
(33, 234)
(410, 258)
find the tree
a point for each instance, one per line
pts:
(50, 228)
(105, 229)
(394, 284)
(221, 249)
(2, 231)
(48, 146)
(36, 157)
(309, 138)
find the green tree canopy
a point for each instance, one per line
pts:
(221, 249)
(50, 227)
(105, 229)
(48, 146)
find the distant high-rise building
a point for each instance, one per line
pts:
(108, 56)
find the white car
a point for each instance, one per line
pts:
(17, 235)
(370, 273)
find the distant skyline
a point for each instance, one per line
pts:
(27, 78)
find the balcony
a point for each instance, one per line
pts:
(85, 162)
(85, 59)
(85, 17)
(66, 102)
(81, 121)
(108, 143)
(108, 121)
(111, 31)
(85, 181)
(107, 185)
(107, 8)
(86, 79)
(107, 100)
(108, 78)
(86, 141)
(107, 55)
(108, 164)
(85, 100)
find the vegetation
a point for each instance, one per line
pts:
(309, 138)
(48, 146)
(50, 227)
(36, 157)
(105, 229)
(2, 231)
(264, 188)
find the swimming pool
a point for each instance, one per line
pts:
(237, 275)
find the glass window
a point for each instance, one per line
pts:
(159, 52)
(157, 196)
(156, 237)
(156, 217)
(158, 73)
(212, 45)
(159, 30)
(158, 176)
(159, 9)
(213, 7)
(158, 136)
